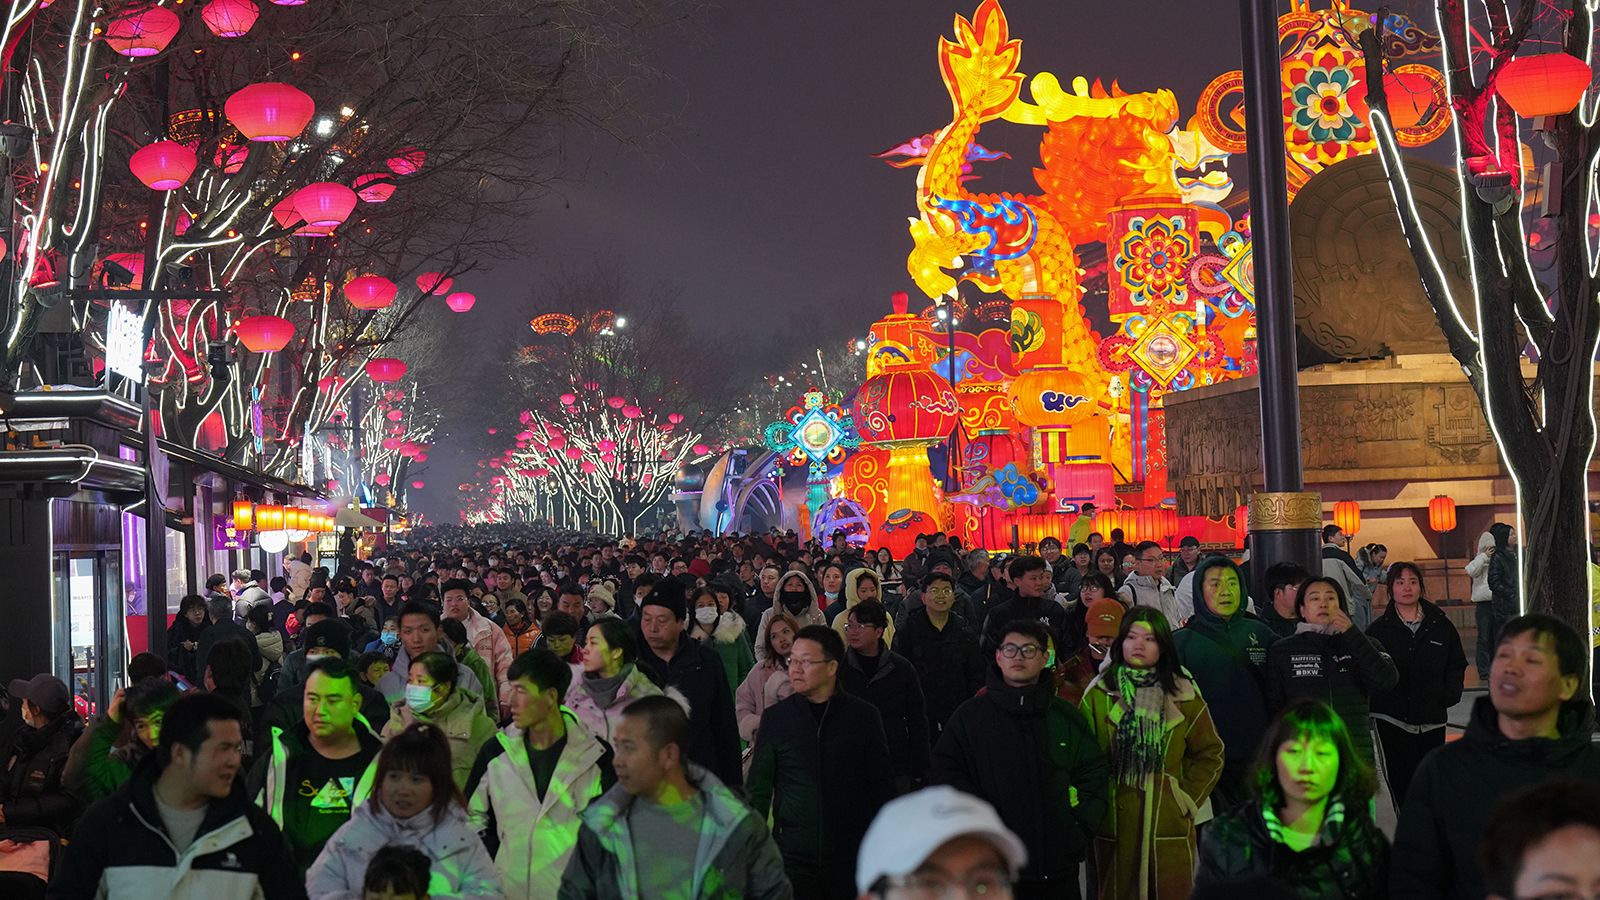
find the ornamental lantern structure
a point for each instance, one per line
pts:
(264, 334)
(270, 111)
(370, 292)
(243, 514)
(460, 301)
(324, 204)
(230, 18)
(385, 369)
(381, 480)
(1544, 84)
(144, 32)
(163, 165)
(269, 517)
(1442, 514)
(1347, 515)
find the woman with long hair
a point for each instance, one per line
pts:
(1107, 564)
(183, 637)
(882, 562)
(417, 803)
(768, 681)
(433, 698)
(1165, 758)
(1426, 649)
(607, 680)
(1308, 831)
(717, 626)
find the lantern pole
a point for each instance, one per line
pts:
(1284, 518)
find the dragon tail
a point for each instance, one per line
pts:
(980, 66)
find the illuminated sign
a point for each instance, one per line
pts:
(125, 341)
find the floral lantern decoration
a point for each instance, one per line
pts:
(143, 32)
(264, 334)
(270, 111)
(163, 165)
(381, 480)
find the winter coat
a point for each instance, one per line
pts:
(1455, 789)
(766, 684)
(1504, 587)
(811, 615)
(270, 645)
(735, 858)
(32, 773)
(698, 673)
(894, 691)
(949, 665)
(1026, 751)
(531, 839)
(1478, 569)
(287, 708)
(462, 719)
(1035, 609)
(838, 616)
(180, 659)
(461, 866)
(521, 642)
(1228, 660)
(1148, 590)
(1343, 670)
(1430, 663)
(101, 761)
(393, 685)
(488, 640)
(1143, 848)
(602, 721)
(224, 631)
(727, 639)
(1350, 860)
(823, 781)
(120, 851)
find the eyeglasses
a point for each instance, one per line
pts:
(857, 626)
(932, 886)
(796, 662)
(941, 592)
(1026, 651)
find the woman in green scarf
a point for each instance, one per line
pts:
(1165, 756)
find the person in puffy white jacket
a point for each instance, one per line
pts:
(416, 803)
(1478, 571)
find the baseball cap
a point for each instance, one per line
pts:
(44, 691)
(908, 829)
(1103, 618)
(1189, 540)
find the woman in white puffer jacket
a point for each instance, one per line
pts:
(1482, 604)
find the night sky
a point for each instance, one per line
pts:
(760, 198)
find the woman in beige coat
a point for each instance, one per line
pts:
(433, 697)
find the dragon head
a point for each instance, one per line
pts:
(1199, 167)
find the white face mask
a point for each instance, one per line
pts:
(705, 615)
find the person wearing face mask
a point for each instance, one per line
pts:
(1102, 623)
(831, 580)
(1329, 659)
(416, 804)
(388, 642)
(432, 698)
(797, 596)
(33, 766)
(720, 628)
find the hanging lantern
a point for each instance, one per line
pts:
(163, 165)
(243, 513)
(574, 453)
(288, 2)
(324, 204)
(407, 162)
(330, 384)
(269, 517)
(1409, 94)
(587, 467)
(418, 485)
(390, 443)
(1442, 513)
(460, 301)
(430, 283)
(1169, 524)
(380, 480)
(230, 18)
(145, 32)
(700, 449)
(385, 369)
(568, 399)
(230, 158)
(370, 292)
(606, 446)
(632, 412)
(675, 418)
(270, 111)
(396, 415)
(1347, 515)
(264, 334)
(374, 188)
(1241, 523)
(1546, 84)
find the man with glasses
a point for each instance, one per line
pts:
(941, 843)
(887, 680)
(1030, 754)
(821, 766)
(1147, 586)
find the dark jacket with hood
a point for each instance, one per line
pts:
(948, 662)
(1048, 613)
(697, 672)
(1343, 670)
(895, 691)
(1430, 662)
(1456, 788)
(1027, 751)
(1349, 860)
(1228, 659)
(1505, 589)
(32, 771)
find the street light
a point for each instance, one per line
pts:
(622, 322)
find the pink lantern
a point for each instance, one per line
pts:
(700, 449)
(264, 334)
(587, 467)
(460, 301)
(430, 283)
(324, 204)
(163, 165)
(493, 430)
(632, 412)
(557, 442)
(385, 369)
(568, 399)
(421, 457)
(616, 402)
(288, 2)
(675, 418)
(144, 32)
(408, 162)
(411, 449)
(390, 443)
(606, 446)
(330, 384)
(496, 463)
(230, 18)
(374, 188)
(370, 292)
(270, 110)
(380, 480)
(417, 485)
(574, 453)
(396, 415)
(230, 158)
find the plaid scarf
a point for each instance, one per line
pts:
(1332, 819)
(1138, 749)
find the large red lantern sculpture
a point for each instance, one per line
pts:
(145, 32)
(230, 18)
(264, 334)
(370, 292)
(385, 369)
(905, 409)
(324, 204)
(270, 111)
(1547, 84)
(163, 165)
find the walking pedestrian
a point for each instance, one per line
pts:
(1031, 579)
(768, 682)
(672, 659)
(888, 681)
(717, 626)
(34, 763)
(1483, 605)
(608, 679)
(485, 638)
(943, 650)
(1148, 585)
(936, 842)
(432, 698)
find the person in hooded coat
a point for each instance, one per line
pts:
(796, 595)
(859, 585)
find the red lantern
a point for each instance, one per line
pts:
(391, 443)
(675, 418)
(430, 283)
(1442, 513)
(370, 292)
(264, 334)
(1241, 523)
(632, 412)
(324, 204)
(616, 402)
(418, 485)
(700, 449)
(163, 165)
(587, 467)
(573, 453)
(396, 415)
(143, 33)
(1347, 515)
(270, 111)
(243, 514)
(380, 480)
(230, 18)
(374, 188)
(408, 162)
(568, 399)
(1409, 95)
(330, 385)
(460, 301)
(288, 2)
(903, 406)
(1547, 84)
(385, 369)
(230, 158)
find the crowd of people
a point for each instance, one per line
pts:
(504, 713)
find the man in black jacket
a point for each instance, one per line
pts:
(944, 651)
(888, 681)
(821, 765)
(1533, 725)
(1033, 756)
(1030, 577)
(224, 628)
(33, 765)
(672, 659)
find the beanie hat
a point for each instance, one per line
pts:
(330, 634)
(1103, 618)
(670, 593)
(603, 593)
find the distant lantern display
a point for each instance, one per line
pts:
(460, 301)
(374, 188)
(430, 283)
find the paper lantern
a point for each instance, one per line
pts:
(1409, 95)
(1124, 519)
(632, 412)
(407, 162)
(374, 188)
(324, 204)
(675, 418)
(418, 485)
(243, 514)
(163, 165)
(616, 402)
(1241, 523)
(574, 453)
(568, 399)
(1347, 515)
(1442, 513)
(370, 292)
(269, 517)
(1546, 84)
(1052, 396)
(700, 449)
(430, 283)
(587, 467)
(460, 301)
(270, 111)
(288, 2)
(390, 443)
(264, 334)
(230, 18)
(385, 369)
(380, 480)
(330, 384)
(144, 32)
(905, 405)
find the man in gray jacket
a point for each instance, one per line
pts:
(669, 827)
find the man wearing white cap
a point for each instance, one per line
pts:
(929, 843)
